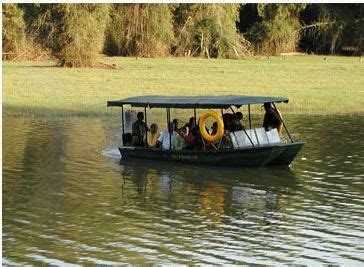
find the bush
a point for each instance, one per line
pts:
(74, 33)
(208, 30)
(13, 31)
(277, 28)
(144, 30)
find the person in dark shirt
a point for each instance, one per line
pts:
(175, 125)
(139, 129)
(236, 124)
(271, 118)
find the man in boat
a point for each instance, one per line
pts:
(167, 137)
(139, 129)
(271, 118)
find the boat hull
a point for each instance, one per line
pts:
(282, 154)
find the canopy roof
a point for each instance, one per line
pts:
(155, 101)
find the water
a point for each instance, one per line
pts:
(67, 200)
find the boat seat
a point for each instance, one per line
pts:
(262, 136)
(273, 136)
(258, 136)
(239, 139)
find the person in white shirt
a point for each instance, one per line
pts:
(164, 139)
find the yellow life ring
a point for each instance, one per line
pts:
(220, 126)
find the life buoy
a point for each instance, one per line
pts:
(202, 126)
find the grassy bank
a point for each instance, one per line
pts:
(313, 84)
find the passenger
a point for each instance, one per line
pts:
(191, 136)
(191, 125)
(175, 125)
(226, 141)
(271, 118)
(166, 137)
(138, 130)
(153, 135)
(179, 142)
(214, 128)
(199, 143)
(236, 124)
(227, 119)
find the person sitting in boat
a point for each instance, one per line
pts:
(175, 125)
(153, 135)
(191, 135)
(225, 140)
(166, 137)
(190, 125)
(227, 119)
(138, 130)
(179, 142)
(214, 128)
(236, 124)
(271, 118)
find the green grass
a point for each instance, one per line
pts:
(313, 85)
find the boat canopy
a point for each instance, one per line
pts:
(155, 101)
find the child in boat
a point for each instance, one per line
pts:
(153, 135)
(179, 142)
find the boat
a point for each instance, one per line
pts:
(251, 147)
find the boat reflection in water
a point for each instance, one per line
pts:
(212, 192)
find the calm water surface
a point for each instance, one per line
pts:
(67, 200)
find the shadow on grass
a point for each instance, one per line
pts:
(38, 66)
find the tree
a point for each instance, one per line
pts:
(13, 30)
(329, 28)
(73, 32)
(208, 30)
(276, 28)
(144, 30)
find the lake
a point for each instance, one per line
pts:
(68, 200)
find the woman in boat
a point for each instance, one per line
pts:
(153, 135)
(191, 137)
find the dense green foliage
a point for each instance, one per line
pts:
(139, 30)
(76, 33)
(13, 30)
(208, 30)
(332, 28)
(276, 29)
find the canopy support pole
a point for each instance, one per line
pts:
(122, 124)
(194, 114)
(168, 121)
(250, 119)
(284, 125)
(146, 130)
(122, 118)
